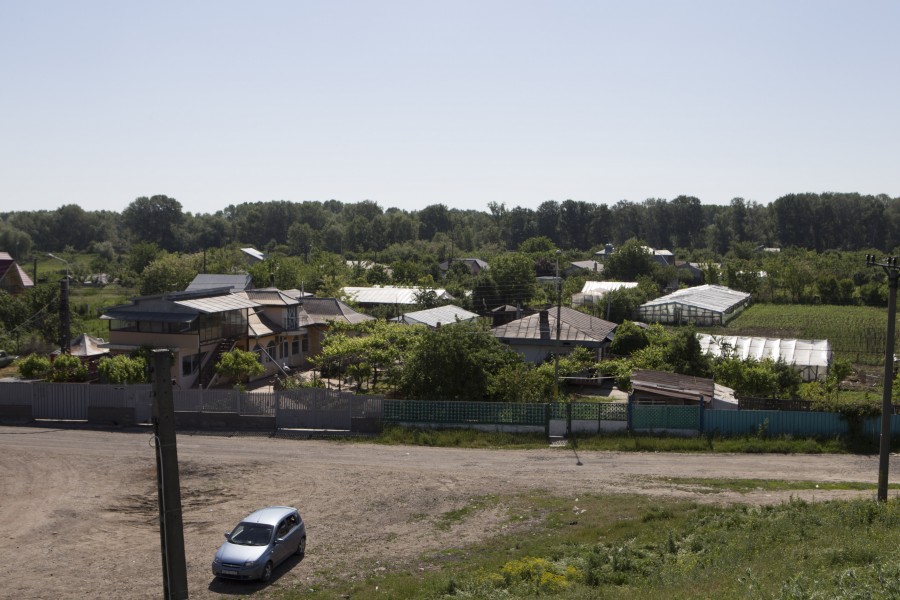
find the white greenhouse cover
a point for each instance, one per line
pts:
(813, 357)
(598, 288)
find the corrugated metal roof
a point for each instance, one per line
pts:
(271, 297)
(122, 313)
(390, 294)
(709, 297)
(441, 315)
(323, 310)
(673, 384)
(575, 326)
(210, 281)
(215, 304)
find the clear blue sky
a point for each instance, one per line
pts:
(462, 103)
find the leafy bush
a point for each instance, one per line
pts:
(34, 366)
(239, 365)
(123, 369)
(68, 368)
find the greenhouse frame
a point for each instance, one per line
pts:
(812, 357)
(704, 305)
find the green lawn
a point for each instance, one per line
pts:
(636, 547)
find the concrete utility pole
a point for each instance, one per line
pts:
(171, 525)
(892, 269)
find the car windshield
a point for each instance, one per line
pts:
(251, 534)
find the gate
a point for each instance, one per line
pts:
(60, 402)
(313, 408)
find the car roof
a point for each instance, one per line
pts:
(270, 515)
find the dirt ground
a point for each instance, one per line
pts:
(79, 515)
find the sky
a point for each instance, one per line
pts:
(463, 103)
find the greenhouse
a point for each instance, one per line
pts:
(812, 357)
(704, 305)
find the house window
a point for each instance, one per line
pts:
(295, 346)
(305, 343)
(190, 364)
(259, 353)
(284, 350)
(271, 349)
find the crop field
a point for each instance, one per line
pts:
(856, 333)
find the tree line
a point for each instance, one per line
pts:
(836, 221)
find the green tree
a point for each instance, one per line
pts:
(123, 369)
(154, 219)
(169, 273)
(630, 261)
(34, 366)
(239, 365)
(453, 362)
(514, 275)
(66, 367)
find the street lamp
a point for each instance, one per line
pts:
(65, 338)
(892, 269)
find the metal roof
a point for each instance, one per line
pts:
(673, 384)
(211, 281)
(390, 294)
(575, 326)
(122, 313)
(215, 304)
(710, 297)
(441, 315)
(271, 297)
(323, 310)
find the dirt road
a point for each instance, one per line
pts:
(79, 517)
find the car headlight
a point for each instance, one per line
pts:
(217, 560)
(250, 563)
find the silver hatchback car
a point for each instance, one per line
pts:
(260, 542)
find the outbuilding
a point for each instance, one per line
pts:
(704, 305)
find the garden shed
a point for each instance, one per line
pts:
(704, 305)
(672, 389)
(811, 357)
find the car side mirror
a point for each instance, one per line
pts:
(228, 535)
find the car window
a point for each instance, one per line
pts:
(251, 534)
(283, 528)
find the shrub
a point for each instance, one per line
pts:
(122, 369)
(34, 366)
(68, 368)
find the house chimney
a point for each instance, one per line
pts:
(545, 324)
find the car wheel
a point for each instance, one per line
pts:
(267, 573)
(301, 547)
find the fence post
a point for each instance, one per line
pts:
(546, 419)
(629, 416)
(702, 409)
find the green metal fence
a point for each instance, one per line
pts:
(459, 413)
(591, 411)
(665, 417)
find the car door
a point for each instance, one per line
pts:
(284, 548)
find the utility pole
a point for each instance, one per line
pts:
(171, 525)
(65, 335)
(556, 354)
(892, 269)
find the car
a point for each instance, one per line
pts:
(259, 543)
(6, 359)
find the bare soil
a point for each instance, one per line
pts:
(79, 514)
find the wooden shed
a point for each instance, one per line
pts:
(660, 387)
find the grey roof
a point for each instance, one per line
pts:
(672, 384)
(253, 252)
(710, 297)
(575, 326)
(216, 304)
(128, 313)
(441, 315)
(324, 310)
(210, 281)
(271, 297)
(589, 265)
(295, 293)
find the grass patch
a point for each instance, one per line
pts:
(622, 442)
(764, 485)
(447, 520)
(647, 548)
